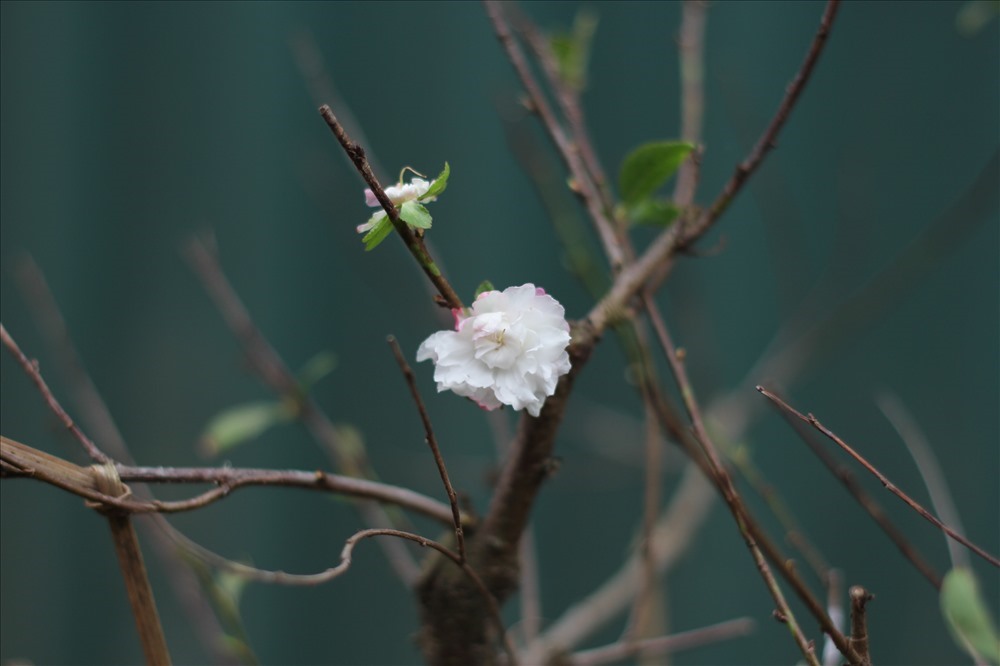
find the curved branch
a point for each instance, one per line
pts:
(21, 460)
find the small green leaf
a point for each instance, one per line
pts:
(242, 423)
(439, 183)
(415, 215)
(967, 615)
(483, 287)
(653, 212)
(649, 166)
(316, 368)
(378, 233)
(572, 50)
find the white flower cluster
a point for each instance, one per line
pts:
(509, 349)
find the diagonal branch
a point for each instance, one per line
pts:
(31, 369)
(766, 142)
(411, 382)
(414, 242)
(889, 485)
(275, 373)
(659, 256)
(724, 480)
(569, 151)
(867, 502)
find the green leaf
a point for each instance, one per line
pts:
(483, 287)
(378, 233)
(415, 215)
(316, 368)
(242, 423)
(572, 50)
(653, 212)
(649, 166)
(967, 615)
(438, 184)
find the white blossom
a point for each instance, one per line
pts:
(509, 349)
(401, 193)
(398, 194)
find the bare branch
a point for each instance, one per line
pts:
(275, 373)
(285, 578)
(930, 469)
(431, 440)
(766, 142)
(691, 48)
(864, 498)
(567, 150)
(22, 460)
(31, 369)
(659, 256)
(889, 485)
(725, 483)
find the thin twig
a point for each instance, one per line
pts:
(97, 419)
(691, 49)
(285, 578)
(766, 142)
(568, 98)
(31, 369)
(431, 440)
(413, 242)
(864, 498)
(642, 607)
(567, 150)
(729, 493)
(672, 423)
(25, 461)
(672, 536)
(930, 469)
(891, 487)
(275, 373)
(661, 645)
(659, 256)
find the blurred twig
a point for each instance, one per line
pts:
(663, 645)
(729, 494)
(95, 414)
(272, 369)
(570, 153)
(930, 469)
(891, 487)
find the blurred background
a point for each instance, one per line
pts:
(128, 128)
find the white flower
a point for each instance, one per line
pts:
(409, 198)
(399, 194)
(510, 349)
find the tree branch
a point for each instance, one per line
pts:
(432, 443)
(26, 461)
(889, 485)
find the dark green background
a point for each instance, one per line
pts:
(126, 128)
